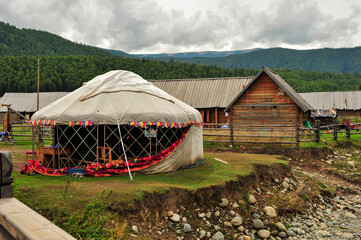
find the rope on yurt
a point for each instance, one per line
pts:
(120, 133)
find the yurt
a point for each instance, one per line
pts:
(116, 123)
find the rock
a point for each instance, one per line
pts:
(236, 221)
(323, 226)
(208, 214)
(135, 229)
(227, 224)
(282, 234)
(245, 237)
(208, 234)
(187, 228)
(274, 233)
(351, 164)
(286, 179)
(252, 199)
(322, 233)
(280, 226)
(329, 162)
(285, 185)
(224, 202)
(217, 228)
(347, 235)
(201, 215)
(263, 233)
(270, 211)
(350, 215)
(257, 223)
(184, 219)
(240, 229)
(202, 234)
(235, 205)
(175, 217)
(170, 213)
(217, 214)
(218, 236)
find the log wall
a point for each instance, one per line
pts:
(264, 102)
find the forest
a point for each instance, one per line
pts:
(66, 73)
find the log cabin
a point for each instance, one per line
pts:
(268, 99)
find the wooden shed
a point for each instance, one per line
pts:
(268, 99)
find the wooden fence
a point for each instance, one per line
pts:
(276, 133)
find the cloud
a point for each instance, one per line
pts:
(152, 26)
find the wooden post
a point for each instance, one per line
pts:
(318, 131)
(335, 129)
(297, 134)
(231, 134)
(348, 130)
(37, 99)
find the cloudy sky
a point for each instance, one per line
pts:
(154, 26)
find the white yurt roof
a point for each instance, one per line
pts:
(118, 96)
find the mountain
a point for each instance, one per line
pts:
(340, 60)
(20, 42)
(205, 54)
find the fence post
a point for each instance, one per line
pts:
(335, 129)
(231, 137)
(318, 130)
(348, 131)
(297, 134)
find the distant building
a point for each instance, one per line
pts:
(346, 103)
(26, 103)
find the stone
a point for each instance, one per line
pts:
(134, 228)
(184, 219)
(187, 228)
(245, 237)
(240, 229)
(227, 224)
(202, 234)
(351, 164)
(282, 234)
(263, 233)
(270, 211)
(218, 236)
(350, 215)
(236, 221)
(347, 235)
(286, 179)
(217, 213)
(280, 226)
(170, 213)
(208, 214)
(285, 185)
(257, 223)
(201, 215)
(323, 226)
(224, 202)
(322, 233)
(235, 205)
(208, 234)
(252, 200)
(175, 217)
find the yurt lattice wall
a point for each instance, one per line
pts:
(77, 145)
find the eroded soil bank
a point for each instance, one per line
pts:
(303, 195)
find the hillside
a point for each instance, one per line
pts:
(66, 73)
(204, 54)
(343, 60)
(28, 42)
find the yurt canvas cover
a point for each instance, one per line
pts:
(90, 123)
